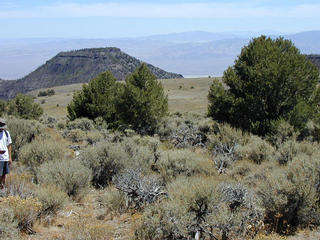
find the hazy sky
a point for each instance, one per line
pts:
(124, 18)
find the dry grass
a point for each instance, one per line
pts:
(86, 220)
(185, 95)
(301, 235)
(56, 105)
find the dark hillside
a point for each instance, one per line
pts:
(78, 67)
(315, 59)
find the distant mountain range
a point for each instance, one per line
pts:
(189, 53)
(78, 66)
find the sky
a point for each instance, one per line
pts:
(124, 18)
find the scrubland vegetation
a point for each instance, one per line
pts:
(105, 175)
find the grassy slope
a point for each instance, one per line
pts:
(185, 95)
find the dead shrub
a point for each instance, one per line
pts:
(185, 131)
(138, 189)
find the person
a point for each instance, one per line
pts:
(5, 152)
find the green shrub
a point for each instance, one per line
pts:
(107, 159)
(100, 123)
(259, 173)
(42, 93)
(176, 217)
(270, 80)
(310, 132)
(92, 137)
(84, 124)
(22, 132)
(281, 131)
(199, 206)
(76, 135)
(48, 121)
(113, 200)
(241, 169)
(140, 155)
(290, 194)
(69, 175)
(146, 141)
(39, 151)
(240, 212)
(304, 174)
(8, 225)
(51, 197)
(182, 162)
(287, 151)
(168, 125)
(3, 107)
(23, 106)
(48, 92)
(256, 150)
(224, 143)
(163, 221)
(301, 114)
(226, 135)
(61, 124)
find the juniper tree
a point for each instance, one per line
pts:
(23, 106)
(97, 99)
(270, 80)
(143, 101)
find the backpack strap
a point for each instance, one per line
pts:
(6, 133)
